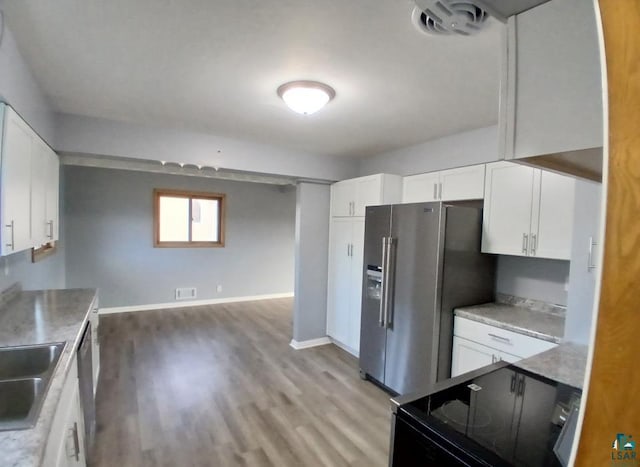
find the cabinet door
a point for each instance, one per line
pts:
(534, 430)
(39, 173)
(52, 196)
(551, 234)
(95, 344)
(16, 184)
(368, 193)
(357, 272)
(468, 356)
(342, 199)
(72, 452)
(554, 73)
(507, 208)
(339, 281)
(463, 183)
(584, 266)
(421, 188)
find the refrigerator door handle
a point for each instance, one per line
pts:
(389, 281)
(383, 285)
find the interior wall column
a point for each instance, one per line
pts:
(311, 261)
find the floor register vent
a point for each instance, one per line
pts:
(186, 293)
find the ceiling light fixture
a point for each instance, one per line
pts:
(306, 97)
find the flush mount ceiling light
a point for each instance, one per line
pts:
(306, 97)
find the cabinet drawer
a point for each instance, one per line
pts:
(500, 339)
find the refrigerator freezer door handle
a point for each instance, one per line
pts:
(383, 285)
(389, 281)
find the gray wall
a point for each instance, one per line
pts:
(466, 148)
(539, 279)
(109, 234)
(19, 89)
(312, 254)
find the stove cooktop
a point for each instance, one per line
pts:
(510, 413)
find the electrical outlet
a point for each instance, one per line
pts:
(219, 288)
(186, 293)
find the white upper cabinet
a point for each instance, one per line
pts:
(527, 212)
(507, 208)
(555, 216)
(15, 183)
(29, 175)
(447, 185)
(462, 183)
(52, 208)
(349, 198)
(551, 86)
(421, 188)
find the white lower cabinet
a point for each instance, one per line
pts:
(65, 444)
(346, 249)
(95, 343)
(476, 345)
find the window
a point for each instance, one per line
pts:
(188, 219)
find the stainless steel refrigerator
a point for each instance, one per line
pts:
(420, 262)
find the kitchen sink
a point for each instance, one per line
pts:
(18, 402)
(25, 374)
(31, 361)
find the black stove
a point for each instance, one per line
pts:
(502, 416)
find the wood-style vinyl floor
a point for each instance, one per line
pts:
(219, 386)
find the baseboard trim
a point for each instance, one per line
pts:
(299, 345)
(183, 304)
(344, 347)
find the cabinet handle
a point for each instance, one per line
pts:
(521, 386)
(50, 229)
(493, 358)
(76, 443)
(513, 383)
(12, 243)
(505, 340)
(525, 242)
(534, 244)
(590, 265)
(440, 191)
(435, 191)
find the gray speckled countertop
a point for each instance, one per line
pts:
(565, 363)
(546, 325)
(38, 317)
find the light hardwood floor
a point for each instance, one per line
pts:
(219, 386)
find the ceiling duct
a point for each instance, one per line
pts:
(445, 17)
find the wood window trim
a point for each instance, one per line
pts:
(221, 197)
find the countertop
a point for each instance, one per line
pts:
(38, 317)
(547, 325)
(565, 363)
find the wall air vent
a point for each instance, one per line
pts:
(444, 17)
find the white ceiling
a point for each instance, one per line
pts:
(214, 65)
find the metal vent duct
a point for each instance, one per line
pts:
(443, 17)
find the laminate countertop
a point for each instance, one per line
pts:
(39, 317)
(565, 363)
(545, 324)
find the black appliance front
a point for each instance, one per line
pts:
(506, 417)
